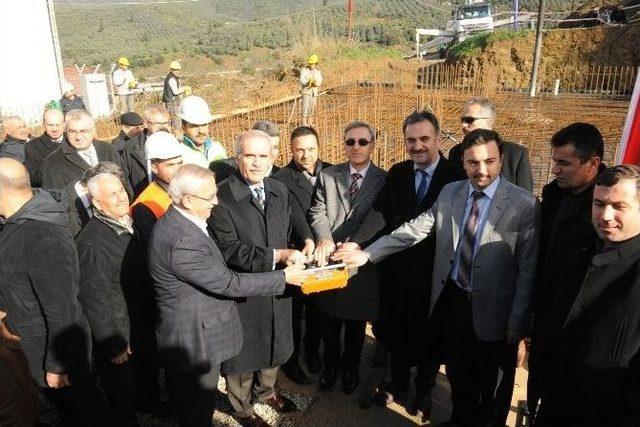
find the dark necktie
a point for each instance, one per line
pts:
(259, 196)
(468, 243)
(354, 184)
(422, 188)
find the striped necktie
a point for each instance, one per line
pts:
(354, 184)
(468, 243)
(259, 196)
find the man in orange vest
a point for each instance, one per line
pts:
(163, 153)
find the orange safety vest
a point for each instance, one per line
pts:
(155, 198)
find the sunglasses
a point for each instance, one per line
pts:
(361, 142)
(469, 120)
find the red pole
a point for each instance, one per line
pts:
(351, 5)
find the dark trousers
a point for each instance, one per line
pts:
(241, 387)
(472, 364)
(194, 396)
(144, 359)
(400, 365)
(119, 385)
(18, 392)
(303, 307)
(354, 333)
(79, 405)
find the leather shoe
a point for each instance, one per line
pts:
(281, 403)
(421, 407)
(295, 373)
(350, 380)
(313, 363)
(253, 420)
(328, 378)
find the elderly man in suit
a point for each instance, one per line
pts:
(411, 188)
(484, 269)
(252, 226)
(343, 196)
(596, 361)
(39, 148)
(198, 325)
(77, 153)
(479, 113)
(300, 177)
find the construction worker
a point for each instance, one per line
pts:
(70, 101)
(310, 79)
(173, 92)
(124, 82)
(200, 149)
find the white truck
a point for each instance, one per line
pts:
(471, 18)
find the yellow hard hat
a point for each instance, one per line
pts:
(123, 61)
(313, 59)
(175, 65)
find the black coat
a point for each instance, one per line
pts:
(71, 104)
(247, 237)
(516, 167)
(599, 352)
(78, 215)
(65, 166)
(35, 152)
(197, 326)
(39, 287)
(108, 265)
(13, 149)
(135, 163)
(406, 277)
(120, 141)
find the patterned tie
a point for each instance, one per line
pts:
(422, 188)
(259, 192)
(354, 183)
(468, 243)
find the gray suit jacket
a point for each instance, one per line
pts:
(197, 328)
(504, 267)
(333, 215)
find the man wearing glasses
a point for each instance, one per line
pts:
(138, 168)
(343, 197)
(479, 113)
(77, 153)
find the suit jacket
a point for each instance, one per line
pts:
(406, 277)
(135, 163)
(65, 166)
(333, 215)
(35, 152)
(197, 327)
(504, 266)
(300, 190)
(247, 237)
(516, 167)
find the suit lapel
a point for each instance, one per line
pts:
(72, 156)
(342, 186)
(496, 209)
(457, 210)
(240, 191)
(368, 185)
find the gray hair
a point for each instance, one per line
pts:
(251, 134)
(155, 109)
(101, 168)
(14, 180)
(486, 106)
(78, 115)
(93, 185)
(187, 180)
(269, 128)
(360, 124)
(11, 120)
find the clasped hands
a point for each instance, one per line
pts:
(347, 252)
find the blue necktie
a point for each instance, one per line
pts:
(422, 188)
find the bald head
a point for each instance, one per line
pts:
(15, 127)
(15, 187)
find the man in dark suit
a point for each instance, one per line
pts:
(342, 199)
(39, 148)
(131, 125)
(198, 328)
(567, 243)
(479, 113)
(77, 153)
(483, 275)
(597, 359)
(411, 188)
(39, 275)
(300, 177)
(156, 118)
(252, 227)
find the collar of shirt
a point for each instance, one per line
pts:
(89, 153)
(120, 227)
(429, 169)
(490, 191)
(362, 172)
(252, 187)
(83, 194)
(58, 140)
(199, 222)
(189, 143)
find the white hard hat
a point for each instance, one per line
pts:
(67, 87)
(162, 145)
(195, 110)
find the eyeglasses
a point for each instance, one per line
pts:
(83, 132)
(469, 119)
(361, 142)
(206, 199)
